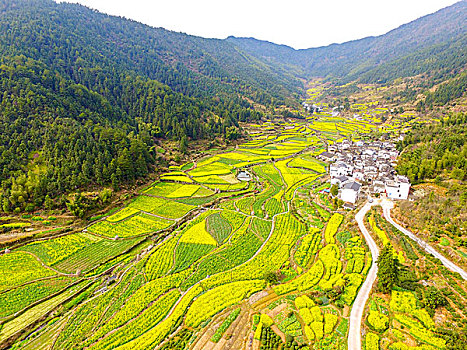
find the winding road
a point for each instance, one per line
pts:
(356, 315)
(387, 206)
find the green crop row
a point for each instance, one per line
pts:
(308, 247)
(225, 325)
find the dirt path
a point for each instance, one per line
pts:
(47, 266)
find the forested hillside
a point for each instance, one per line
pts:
(94, 49)
(86, 96)
(433, 44)
(435, 157)
(58, 135)
(436, 150)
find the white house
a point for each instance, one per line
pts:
(345, 145)
(340, 169)
(369, 152)
(350, 191)
(398, 189)
(339, 180)
(358, 175)
(378, 186)
(326, 156)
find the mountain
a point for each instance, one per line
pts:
(86, 98)
(73, 38)
(433, 41)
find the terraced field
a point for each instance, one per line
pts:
(201, 254)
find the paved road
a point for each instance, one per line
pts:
(356, 315)
(387, 206)
(355, 334)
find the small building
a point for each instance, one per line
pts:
(359, 143)
(358, 175)
(378, 186)
(326, 156)
(369, 152)
(350, 192)
(340, 169)
(339, 180)
(398, 189)
(244, 176)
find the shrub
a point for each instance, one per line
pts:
(372, 341)
(378, 321)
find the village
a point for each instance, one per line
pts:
(365, 169)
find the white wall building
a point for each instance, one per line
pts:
(339, 180)
(350, 191)
(398, 189)
(358, 175)
(340, 169)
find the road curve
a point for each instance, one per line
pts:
(387, 206)
(356, 315)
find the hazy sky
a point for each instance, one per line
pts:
(297, 23)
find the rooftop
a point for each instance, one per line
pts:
(352, 186)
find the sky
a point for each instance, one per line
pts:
(297, 23)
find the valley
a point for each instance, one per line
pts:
(275, 253)
(161, 191)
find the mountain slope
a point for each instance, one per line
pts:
(85, 97)
(360, 59)
(71, 38)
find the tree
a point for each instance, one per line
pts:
(114, 180)
(271, 278)
(456, 339)
(6, 205)
(48, 203)
(334, 190)
(105, 195)
(183, 144)
(433, 299)
(387, 269)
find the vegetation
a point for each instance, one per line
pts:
(436, 150)
(115, 240)
(225, 325)
(387, 269)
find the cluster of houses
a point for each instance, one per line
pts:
(361, 168)
(311, 108)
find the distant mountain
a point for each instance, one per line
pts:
(432, 41)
